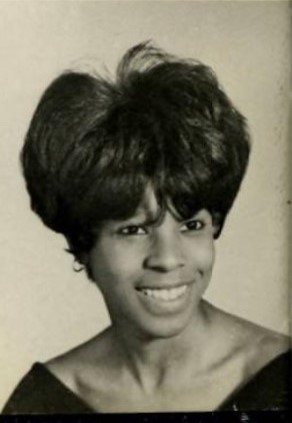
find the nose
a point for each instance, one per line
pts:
(165, 253)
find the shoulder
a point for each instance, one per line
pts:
(84, 365)
(40, 392)
(269, 388)
(259, 344)
(30, 383)
(263, 358)
(254, 344)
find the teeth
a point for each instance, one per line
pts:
(165, 294)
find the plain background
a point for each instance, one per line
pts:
(45, 308)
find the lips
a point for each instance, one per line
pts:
(168, 294)
(164, 294)
(165, 299)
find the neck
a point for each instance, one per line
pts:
(155, 362)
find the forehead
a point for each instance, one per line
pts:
(153, 210)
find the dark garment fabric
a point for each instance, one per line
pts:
(40, 392)
(269, 389)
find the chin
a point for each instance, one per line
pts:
(164, 328)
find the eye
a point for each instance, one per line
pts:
(132, 230)
(193, 225)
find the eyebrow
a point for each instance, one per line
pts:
(147, 217)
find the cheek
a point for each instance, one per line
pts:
(115, 265)
(202, 256)
(210, 254)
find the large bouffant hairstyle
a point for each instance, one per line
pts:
(95, 143)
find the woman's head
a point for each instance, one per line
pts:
(94, 145)
(153, 268)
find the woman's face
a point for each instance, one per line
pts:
(153, 274)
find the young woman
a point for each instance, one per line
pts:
(139, 175)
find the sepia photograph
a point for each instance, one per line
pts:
(145, 206)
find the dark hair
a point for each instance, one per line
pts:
(94, 144)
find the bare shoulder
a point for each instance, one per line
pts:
(70, 366)
(255, 344)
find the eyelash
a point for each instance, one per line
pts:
(190, 226)
(193, 225)
(131, 230)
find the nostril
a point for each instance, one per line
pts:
(164, 260)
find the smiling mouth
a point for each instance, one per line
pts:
(165, 294)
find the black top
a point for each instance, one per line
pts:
(40, 392)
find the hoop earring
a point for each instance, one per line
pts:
(77, 267)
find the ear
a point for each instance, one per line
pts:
(83, 259)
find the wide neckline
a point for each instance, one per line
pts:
(232, 398)
(38, 366)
